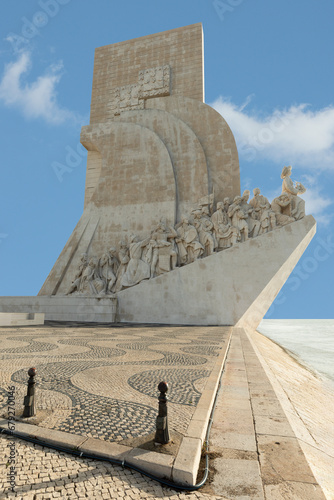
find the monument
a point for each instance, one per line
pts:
(165, 235)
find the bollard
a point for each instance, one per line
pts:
(162, 434)
(29, 400)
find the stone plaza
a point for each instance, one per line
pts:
(94, 395)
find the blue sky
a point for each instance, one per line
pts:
(268, 70)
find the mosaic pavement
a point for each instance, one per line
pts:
(101, 381)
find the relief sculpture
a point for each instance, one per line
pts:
(137, 269)
(201, 235)
(152, 82)
(293, 190)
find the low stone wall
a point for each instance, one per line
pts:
(21, 319)
(63, 308)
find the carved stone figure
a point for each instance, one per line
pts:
(253, 223)
(226, 235)
(166, 247)
(78, 277)
(160, 252)
(137, 270)
(281, 207)
(265, 215)
(108, 266)
(227, 203)
(293, 190)
(204, 228)
(187, 241)
(91, 283)
(206, 204)
(124, 257)
(238, 219)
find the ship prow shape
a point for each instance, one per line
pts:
(165, 236)
(232, 287)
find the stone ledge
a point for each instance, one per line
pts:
(21, 318)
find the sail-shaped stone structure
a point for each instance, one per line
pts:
(160, 162)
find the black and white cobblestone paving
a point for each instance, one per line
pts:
(185, 355)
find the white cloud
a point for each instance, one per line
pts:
(37, 99)
(317, 203)
(296, 135)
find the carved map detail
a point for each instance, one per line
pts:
(152, 82)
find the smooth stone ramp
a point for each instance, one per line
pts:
(307, 399)
(231, 287)
(259, 455)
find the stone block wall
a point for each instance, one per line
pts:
(119, 64)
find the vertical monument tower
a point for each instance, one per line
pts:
(154, 148)
(164, 231)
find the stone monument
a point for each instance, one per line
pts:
(165, 236)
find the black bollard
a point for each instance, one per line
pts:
(162, 434)
(29, 399)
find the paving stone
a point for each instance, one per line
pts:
(294, 491)
(186, 359)
(101, 383)
(283, 460)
